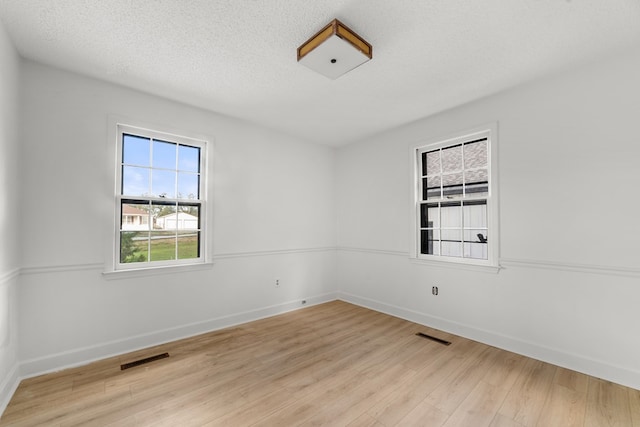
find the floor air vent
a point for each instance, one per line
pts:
(429, 337)
(143, 361)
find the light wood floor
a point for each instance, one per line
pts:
(332, 364)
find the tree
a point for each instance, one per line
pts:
(128, 249)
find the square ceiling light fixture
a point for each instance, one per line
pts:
(334, 50)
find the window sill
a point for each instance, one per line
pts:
(494, 269)
(153, 271)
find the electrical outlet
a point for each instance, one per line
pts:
(434, 290)
(277, 283)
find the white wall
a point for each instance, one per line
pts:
(9, 217)
(569, 171)
(273, 218)
(568, 292)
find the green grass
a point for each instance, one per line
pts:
(165, 249)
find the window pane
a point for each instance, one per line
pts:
(188, 158)
(452, 184)
(429, 216)
(188, 217)
(154, 175)
(431, 163)
(424, 219)
(478, 175)
(163, 246)
(452, 179)
(475, 154)
(475, 250)
(451, 249)
(185, 219)
(477, 182)
(451, 235)
(165, 216)
(475, 214)
(135, 181)
(476, 236)
(164, 155)
(135, 150)
(133, 246)
(475, 244)
(163, 184)
(451, 215)
(188, 244)
(135, 217)
(188, 187)
(453, 207)
(428, 243)
(452, 159)
(431, 187)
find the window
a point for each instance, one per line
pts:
(455, 210)
(160, 199)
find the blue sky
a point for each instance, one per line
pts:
(149, 168)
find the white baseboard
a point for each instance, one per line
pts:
(83, 356)
(596, 368)
(8, 387)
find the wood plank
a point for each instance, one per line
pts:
(563, 407)
(607, 404)
(398, 404)
(335, 364)
(502, 421)
(572, 380)
(350, 405)
(248, 414)
(448, 395)
(424, 415)
(481, 405)
(528, 395)
(365, 420)
(634, 404)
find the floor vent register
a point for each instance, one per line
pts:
(144, 361)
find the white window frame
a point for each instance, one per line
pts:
(113, 266)
(490, 132)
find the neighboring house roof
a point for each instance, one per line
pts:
(130, 210)
(181, 215)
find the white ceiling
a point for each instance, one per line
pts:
(238, 57)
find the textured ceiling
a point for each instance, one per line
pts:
(238, 57)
